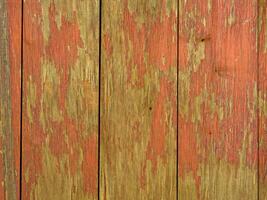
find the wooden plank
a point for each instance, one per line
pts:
(139, 100)
(262, 20)
(217, 99)
(10, 60)
(60, 99)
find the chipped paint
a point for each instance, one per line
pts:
(9, 100)
(215, 139)
(31, 101)
(56, 173)
(61, 96)
(262, 99)
(231, 17)
(140, 74)
(209, 5)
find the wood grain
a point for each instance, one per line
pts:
(262, 20)
(10, 59)
(60, 100)
(217, 100)
(139, 100)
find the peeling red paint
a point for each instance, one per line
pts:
(262, 85)
(32, 48)
(183, 51)
(108, 45)
(137, 38)
(57, 139)
(162, 41)
(188, 158)
(2, 188)
(156, 145)
(63, 41)
(227, 72)
(14, 23)
(89, 167)
(63, 135)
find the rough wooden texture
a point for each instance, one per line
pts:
(262, 22)
(138, 99)
(217, 99)
(10, 59)
(60, 99)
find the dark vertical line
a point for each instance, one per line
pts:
(177, 140)
(99, 94)
(21, 103)
(258, 135)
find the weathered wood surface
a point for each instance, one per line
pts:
(10, 65)
(218, 100)
(60, 100)
(139, 100)
(222, 99)
(262, 20)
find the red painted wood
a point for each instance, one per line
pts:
(139, 100)
(60, 107)
(218, 99)
(262, 100)
(10, 98)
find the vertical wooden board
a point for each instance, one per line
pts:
(60, 99)
(262, 20)
(217, 120)
(10, 64)
(138, 99)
